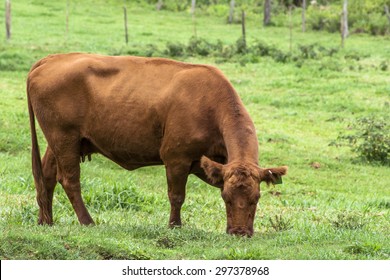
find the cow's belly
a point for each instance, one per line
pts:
(130, 142)
(131, 161)
(127, 155)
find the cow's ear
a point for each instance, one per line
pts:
(273, 175)
(213, 170)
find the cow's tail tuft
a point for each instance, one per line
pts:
(37, 171)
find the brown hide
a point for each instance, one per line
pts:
(137, 112)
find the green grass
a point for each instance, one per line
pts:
(338, 211)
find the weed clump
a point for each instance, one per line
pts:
(369, 138)
(166, 242)
(366, 248)
(349, 221)
(280, 223)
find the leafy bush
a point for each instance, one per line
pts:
(173, 5)
(241, 47)
(383, 65)
(148, 50)
(244, 53)
(378, 24)
(324, 18)
(262, 49)
(175, 49)
(200, 46)
(218, 10)
(370, 139)
(363, 16)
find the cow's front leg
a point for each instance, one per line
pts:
(177, 174)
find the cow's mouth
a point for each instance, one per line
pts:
(240, 230)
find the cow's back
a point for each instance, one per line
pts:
(131, 109)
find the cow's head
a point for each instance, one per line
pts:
(240, 189)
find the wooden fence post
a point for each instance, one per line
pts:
(231, 12)
(67, 20)
(243, 28)
(387, 13)
(267, 12)
(8, 19)
(159, 5)
(303, 15)
(344, 23)
(193, 6)
(291, 26)
(125, 22)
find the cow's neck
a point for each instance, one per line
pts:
(239, 133)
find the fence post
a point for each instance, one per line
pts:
(291, 26)
(8, 18)
(67, 20)
(193, 6)
(243, 28)
(125, 23)
(231, 12)
(387, 13)
(267, 12)
(344, 23)
(159, 5)
(303, 15)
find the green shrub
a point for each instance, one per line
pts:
(308, 51)
(174, 5)
(241, 47)
(325, 18)
(369, 138)
(200, 46)
(280, 56)
(175, 49)
(378, 24)
(218, 10)
(384, 66)
(363, 16)
(262, 49)
(368, 16)
(148, 50)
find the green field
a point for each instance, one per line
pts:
(331, 206)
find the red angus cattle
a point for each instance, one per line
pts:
(139, 112)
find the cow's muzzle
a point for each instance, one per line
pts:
(241, 231)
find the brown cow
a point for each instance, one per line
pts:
(139, 112)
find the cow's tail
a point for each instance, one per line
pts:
(37, 171)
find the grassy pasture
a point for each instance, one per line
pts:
(329, 207)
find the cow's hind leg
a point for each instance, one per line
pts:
(68, 161)
(45, 196)
(177, 174)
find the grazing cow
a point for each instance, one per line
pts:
(140, 112)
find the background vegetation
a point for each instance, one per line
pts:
(365, 16)
(305, 94)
